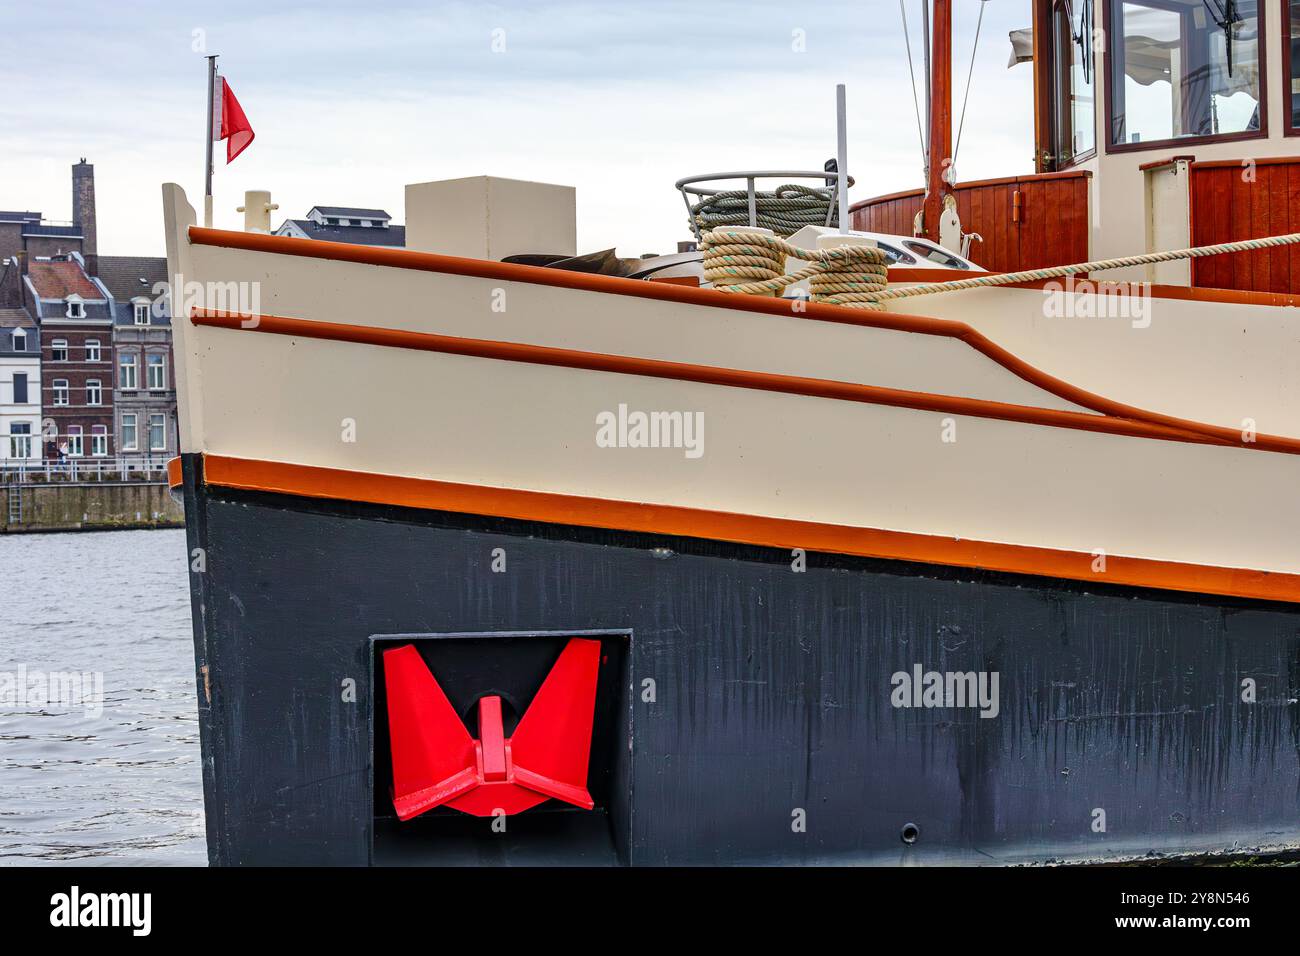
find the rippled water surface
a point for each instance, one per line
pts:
(98, 780)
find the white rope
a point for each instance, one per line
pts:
(1032, 275)
(754, 264)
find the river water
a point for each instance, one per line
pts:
(99, 765)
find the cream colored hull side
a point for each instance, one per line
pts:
(1216, 362)
(512, 425)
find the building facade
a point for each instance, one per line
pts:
(20, 388)
(144, 396)
(76, 322)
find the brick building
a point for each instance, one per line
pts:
(76, 322)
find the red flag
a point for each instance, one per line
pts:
(231, 123)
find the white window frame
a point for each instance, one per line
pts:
(161, 365)
(140, 312)
(20, 443)
(76, 307)
(99, 351)
(57, 346)
(162, 430)
(61, 392)
(130, 428)
(76, 442)
(128, 360)
(94, 391)
(99, 441)
(20, 340)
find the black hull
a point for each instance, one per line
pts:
(772, 697)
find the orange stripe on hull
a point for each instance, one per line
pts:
(337, 484)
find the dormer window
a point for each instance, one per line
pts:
(140, 308)
(345, 222)
(76, 308)
(20, 340)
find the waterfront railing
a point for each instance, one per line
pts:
(127, 468)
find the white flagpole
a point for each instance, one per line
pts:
(210, 113)
(842, 158)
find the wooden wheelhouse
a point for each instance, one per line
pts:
(1158, 124)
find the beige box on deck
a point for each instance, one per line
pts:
(487, 217)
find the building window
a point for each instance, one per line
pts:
(20, 340)
(157, 433)
(1183, 70)
(20, 388)
(157, 371)
(60, 391)
(129, 436)
(1291, 50)
(128, 370)
(92, 350)
(76, 310)
(142, 313)
(99, 440)
(94, 392)
(59, 350)
(20, 440)
(75, 447)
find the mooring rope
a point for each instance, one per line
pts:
(754, 264)
(857, 276)
(1098, 265)
(785, 210)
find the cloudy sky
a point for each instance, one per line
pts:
(350, 101)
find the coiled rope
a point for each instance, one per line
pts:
(785, 210)
(754, 264)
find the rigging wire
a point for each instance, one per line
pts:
(911, 72)
(969, 76)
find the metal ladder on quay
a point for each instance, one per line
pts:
(15, 501)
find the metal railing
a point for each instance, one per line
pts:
(126, 468)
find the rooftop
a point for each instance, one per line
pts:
(126, 277)
(60, 278)
(15, 318)
(358, 235)
(349, 212)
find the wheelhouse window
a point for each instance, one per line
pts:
(1292, 51)
(1073, 108)
(1183, 70)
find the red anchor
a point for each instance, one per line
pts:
(436, 762)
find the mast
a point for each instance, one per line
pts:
(940, 135)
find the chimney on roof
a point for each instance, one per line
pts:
(83, 212)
